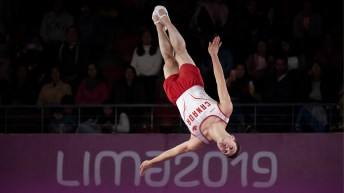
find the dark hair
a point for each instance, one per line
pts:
(99, 76)
(282, 56)
(321, 66)
(316, 62)
(152, 50)
(56, 66)
(237, 151)
(72, 27)
(132, 68)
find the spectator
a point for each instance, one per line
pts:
(108, 124)
(241, 89)
(51, 93)
(296, 60)
(258, 62)
(88, 23)
(90, 29)
(330, 56)
(313, 90)
(35, 43)
(22, 90)
(240, 85)
(272, 26)
(73, 56)
(147, 61)
(55, 23)
(130, 91)
(312, 117)
(107, 121)
(92, 90)
(307, 28)
(314, 87)
(210, 17)
(278, 87)
(307, 22)
(61, 123)
(35, 58)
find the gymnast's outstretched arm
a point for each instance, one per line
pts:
(191, 145)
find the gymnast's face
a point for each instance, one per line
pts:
(227, 145)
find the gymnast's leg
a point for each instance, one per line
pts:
(177, 41)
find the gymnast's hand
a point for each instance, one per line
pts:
(214, 46)
(144, 166)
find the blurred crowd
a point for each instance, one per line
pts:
(106, 52)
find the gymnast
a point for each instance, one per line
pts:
(206, 118)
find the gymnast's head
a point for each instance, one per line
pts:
(229, 146)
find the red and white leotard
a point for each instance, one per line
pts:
(195, 106)
(186, 90)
